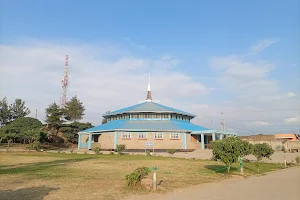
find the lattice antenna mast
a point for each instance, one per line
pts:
(64, 84)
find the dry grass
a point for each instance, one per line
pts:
(73, 176)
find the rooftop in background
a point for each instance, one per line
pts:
(148, 106)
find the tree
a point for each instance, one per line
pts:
(5, 112)
(22, 124)
(261, 151)
(18, 109)
(70, 131)
(54, 115)
(74, 110)
(230, 149)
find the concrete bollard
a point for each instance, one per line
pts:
(154, 181)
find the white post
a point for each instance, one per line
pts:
(154, 181)
(284, 162)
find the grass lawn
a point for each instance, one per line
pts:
(32, 175)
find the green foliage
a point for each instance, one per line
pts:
(97, 150)
(54, 116)
(297, 159)
(36, 145)
(74, 110)
(136, 176)
(120, 148)
(18, 109)
(5, 112)
(70, 130)
(171, 151)
(112, 153)
(148, 153)
(22, 124)
(262, 150)
(230, 149)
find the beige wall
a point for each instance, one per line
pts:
(275, 143)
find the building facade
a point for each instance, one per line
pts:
(149, 123)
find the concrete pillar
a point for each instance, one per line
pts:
(79, 141)
(213, 136)
(116, 140)
(183, 135)
(221, 136)
(202, 141)
(90, 141)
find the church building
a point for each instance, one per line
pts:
(149, 125)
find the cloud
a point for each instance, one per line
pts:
(102, 83)
(292, 94)
(258, 123)
(292, 120)
(141, 47)
(261, 45)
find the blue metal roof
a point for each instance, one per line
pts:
(149, 107)
(145, 125)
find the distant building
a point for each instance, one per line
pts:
(158, 125)
(287, 136)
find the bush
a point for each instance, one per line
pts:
(135, 177)
(171, 151)
(230, 149)
(36, 145)
(297, 159)
(97, 150)
(112, 153)
(120, 148)
(148, 153)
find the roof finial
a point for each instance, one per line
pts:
(149, 96)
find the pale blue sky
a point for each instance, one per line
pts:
(200, 39)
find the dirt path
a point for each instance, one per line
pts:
(274, 186)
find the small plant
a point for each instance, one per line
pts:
(297, 159)
(171, 151)
(97, 150)
(72, 151)
(85, 152)
(261, 151)
(36, 145)
(120, 148)
(136, 176)
(148, 153)
(112, 153)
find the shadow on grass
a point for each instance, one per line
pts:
(37, 167)
(220, 168)
(31, 193)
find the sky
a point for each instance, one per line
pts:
(205, 57)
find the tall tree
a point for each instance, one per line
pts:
(18, 109)
(74, 110)
(54, 115)
(5, 112)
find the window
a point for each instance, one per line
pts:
(158, 136)
(174, 136)
(142, 135)
(96, 137)
(126, 135)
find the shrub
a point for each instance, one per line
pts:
(120, 148)
(112, 153)
(148, 153)
(72, 151)
(136, 176)
(36, 145)
(230, 149)
(262, 151)
(171, 151)
(97, 150)
(297, 159)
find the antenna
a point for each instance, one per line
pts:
(64, 84)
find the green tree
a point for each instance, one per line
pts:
(104, 121)
(54, 116)
(261, 151)
(74, 110)
(5, 112)
(22, 124)
(70, 131)
(230, 149)
(18, 109)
